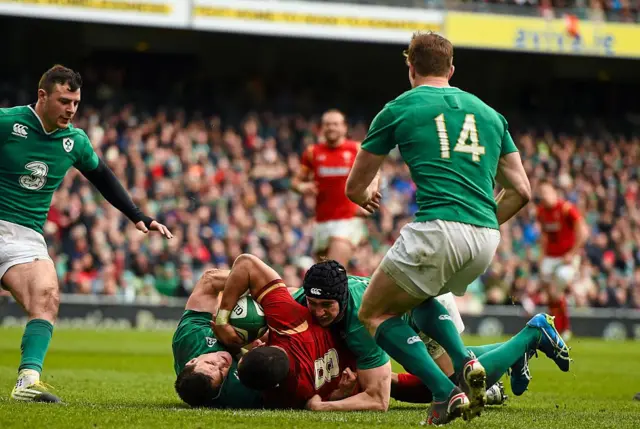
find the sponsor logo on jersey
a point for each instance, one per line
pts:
(211, 341)
(20, 130)
(413, 340)
(445, 317)
(67, 144)
(333, 171)
(551, 227)
(315, 291)
(38, 176)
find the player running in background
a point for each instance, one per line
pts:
(564, 233)
(324, 171)
(38, 145)
(302, 358)
(207, 374)
(454, 145)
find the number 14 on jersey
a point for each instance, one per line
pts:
(469, 133)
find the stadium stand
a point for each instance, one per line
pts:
(212, 156)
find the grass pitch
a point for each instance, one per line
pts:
(113, 379)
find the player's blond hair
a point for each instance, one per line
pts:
(430, 54)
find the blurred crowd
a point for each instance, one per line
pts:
(224, 188)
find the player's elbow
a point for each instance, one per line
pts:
(524, 191)
(379, 401)
(247, 261)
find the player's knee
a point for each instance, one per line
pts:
(46, 301)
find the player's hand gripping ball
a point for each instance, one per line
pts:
(247, 319)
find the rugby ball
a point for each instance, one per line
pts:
(247, 318)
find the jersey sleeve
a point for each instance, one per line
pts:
(507, 145)
(300, 297)
(380, 139)
(283, 314)
(87, 158)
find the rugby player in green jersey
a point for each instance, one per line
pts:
(335, 301)
(456, 147)
(38, 145)
(207, 374)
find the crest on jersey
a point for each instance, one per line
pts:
(211, 341)
(67, 144)
(346, 156)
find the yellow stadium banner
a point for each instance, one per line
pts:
(313, 19)
(474, 30)
(165, 13)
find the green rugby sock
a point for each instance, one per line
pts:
(35, 343)
(432, 318)
(499, 360)
(480, 350)
(403, 344)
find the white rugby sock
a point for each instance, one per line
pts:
(27, 377)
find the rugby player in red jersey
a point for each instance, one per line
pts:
(302, 359)
(325, 168)
(564, 233)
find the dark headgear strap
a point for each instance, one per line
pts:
(327, 280)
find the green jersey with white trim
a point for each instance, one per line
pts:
(33, 163)
(452, 143)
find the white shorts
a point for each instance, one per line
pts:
(353, 230)
(557, 269)
(20, 245)
(432, 258)
(449, 302)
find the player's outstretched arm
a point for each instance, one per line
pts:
(517, 189)
(248, 273)
(110, 187)
(206, 293)
(376, 386)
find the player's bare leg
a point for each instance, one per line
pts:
(382, 304)
(340, 249)
(34, 285)
(558, 308)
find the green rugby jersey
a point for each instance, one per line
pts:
(452, 142)
(33, 163)
(194, 337)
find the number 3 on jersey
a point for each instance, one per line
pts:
(38, 177)
(327, 368)
(469, 132)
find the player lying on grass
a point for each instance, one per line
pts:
(334, 300)
(38, 145)
(206, 370)
(302, 358)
